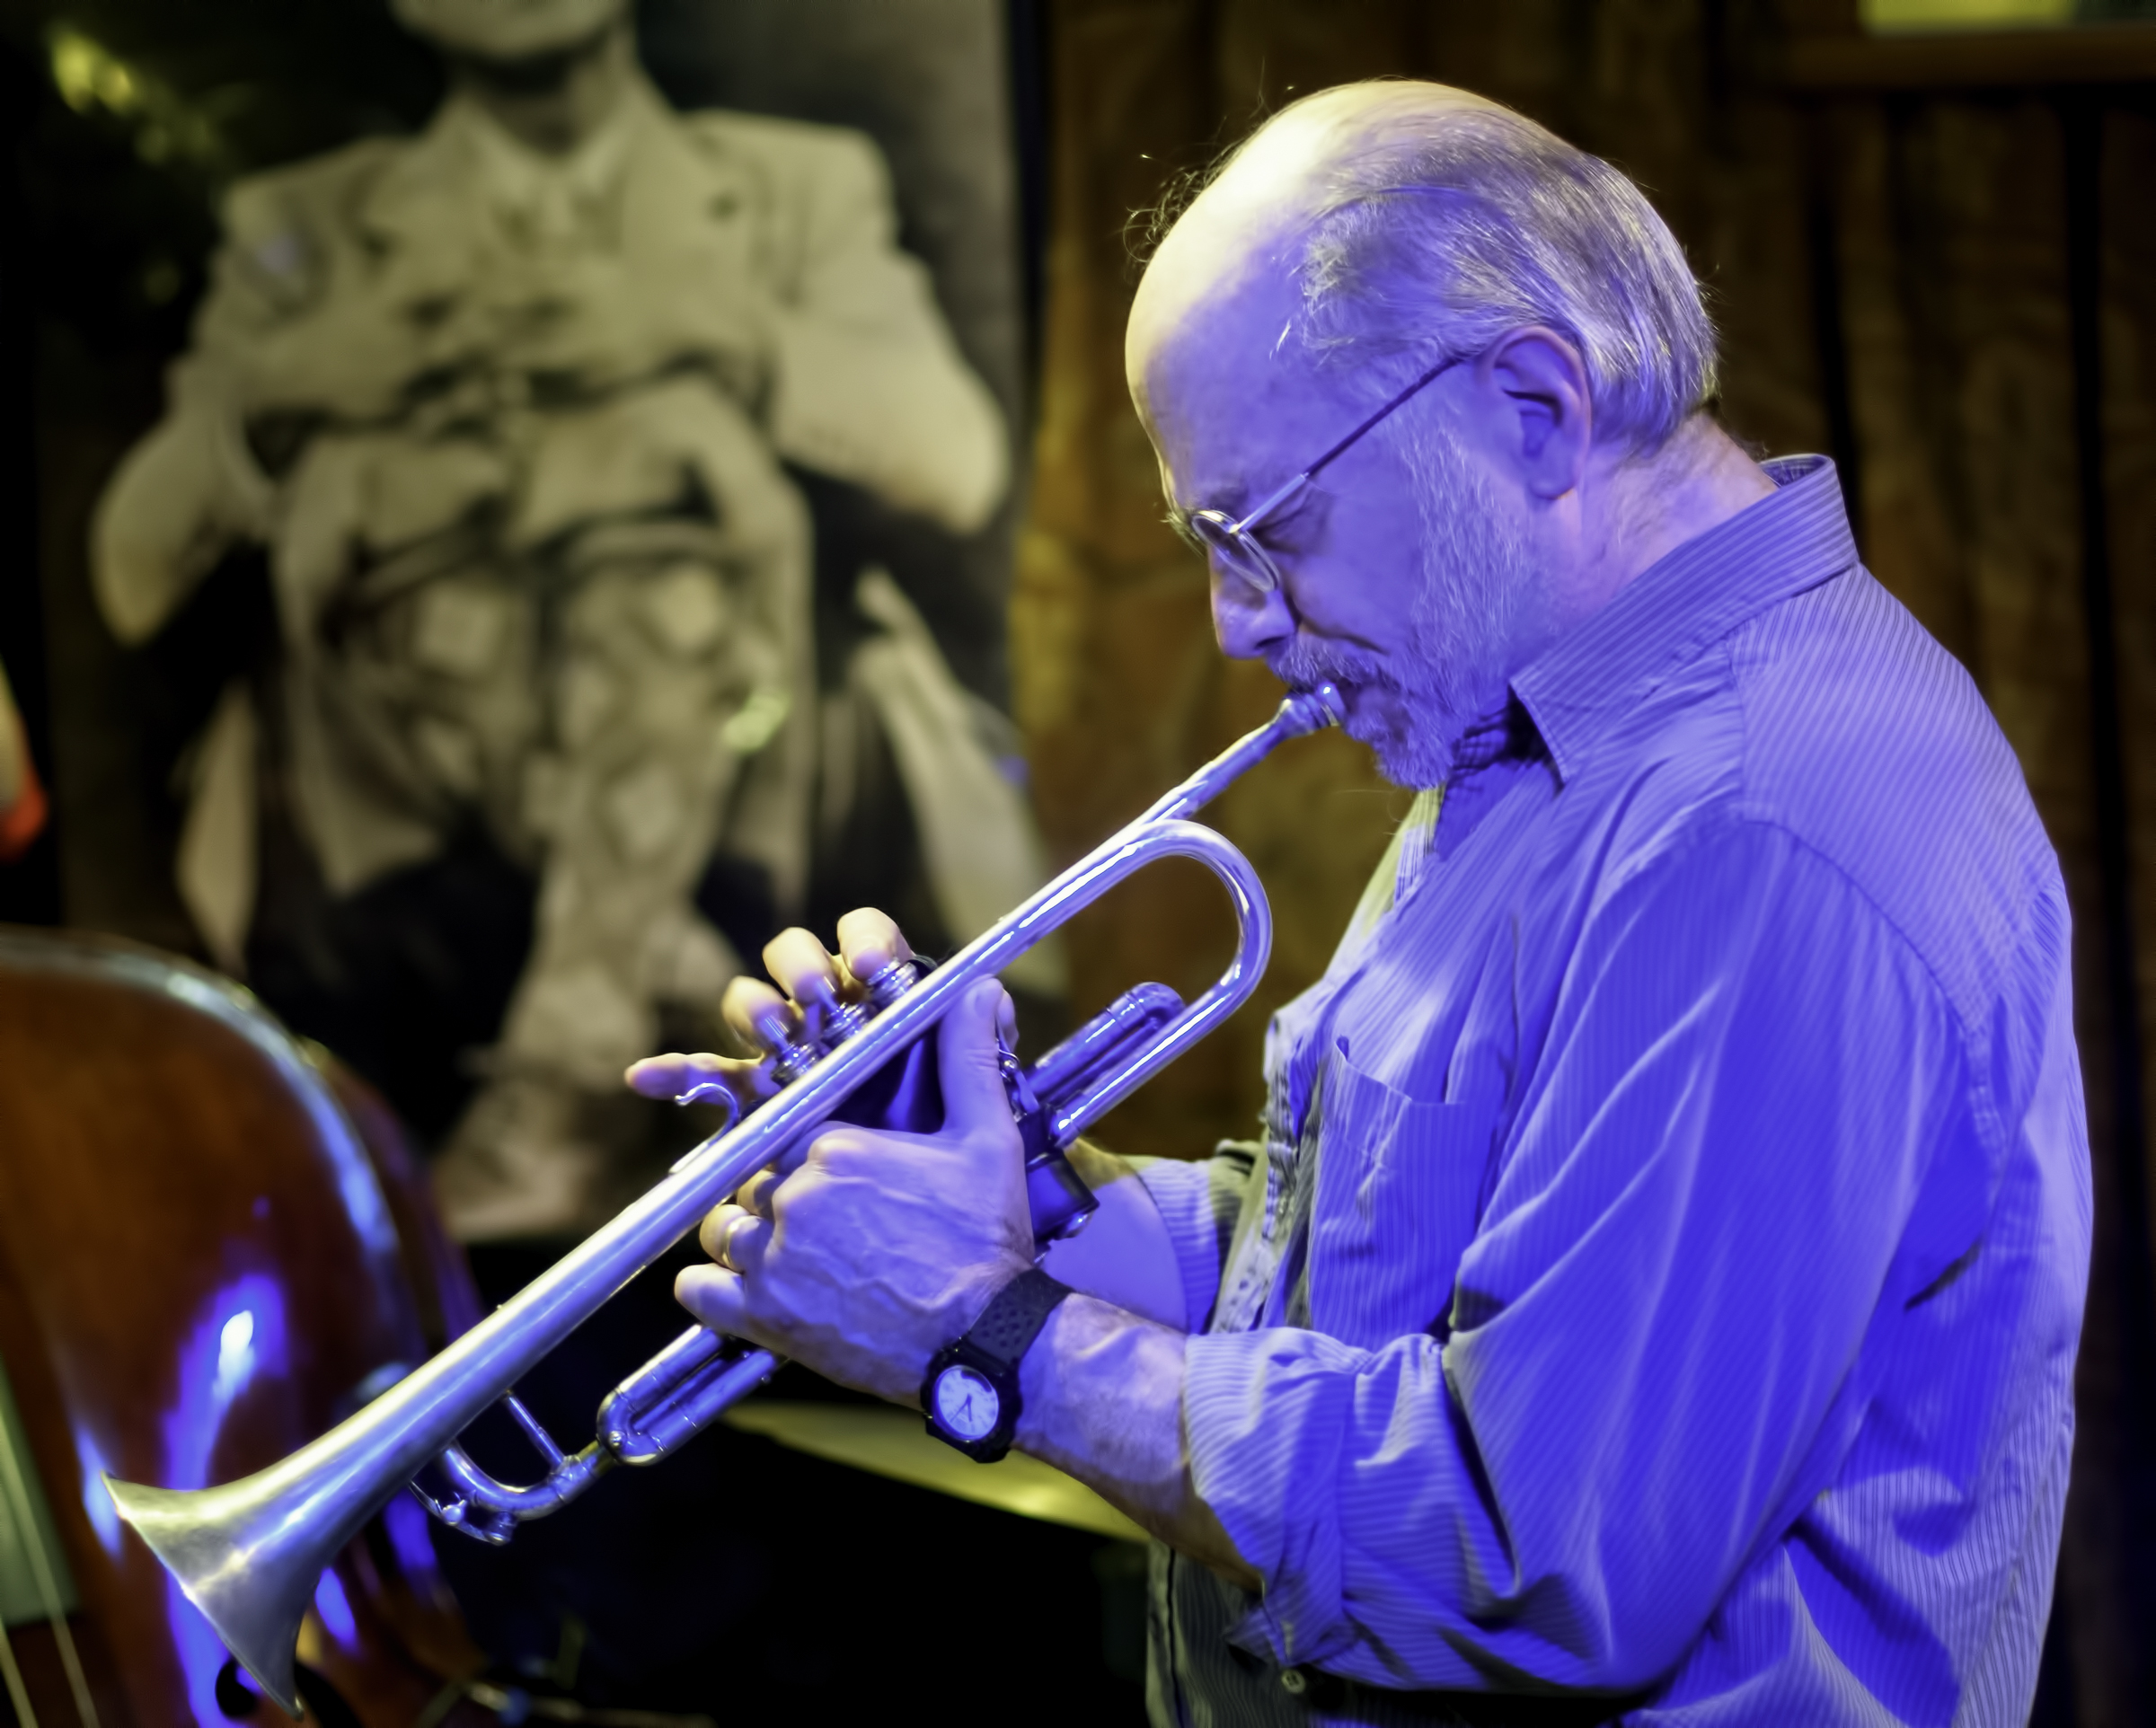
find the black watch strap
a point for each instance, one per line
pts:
(991, 1351)
(1013, 1319)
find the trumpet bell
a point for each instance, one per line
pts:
(247, 1555)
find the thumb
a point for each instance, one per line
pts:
(967, 1062)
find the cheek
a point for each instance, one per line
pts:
(1368, 607)
(1368, 574)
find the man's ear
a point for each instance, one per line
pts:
(1539, 417)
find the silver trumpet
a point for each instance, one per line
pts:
(248, 1553)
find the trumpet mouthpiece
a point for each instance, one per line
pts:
(1313, 710)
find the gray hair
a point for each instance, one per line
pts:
(1451, 227)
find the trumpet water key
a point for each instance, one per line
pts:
(248, 1553)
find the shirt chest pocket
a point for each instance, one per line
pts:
(1398, 1189)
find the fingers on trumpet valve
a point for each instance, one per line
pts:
(870, 942)
(815, 999)
(758, 1016)
(804, 969)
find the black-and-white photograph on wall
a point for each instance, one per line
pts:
(569, 537)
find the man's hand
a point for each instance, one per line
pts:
(1123, 1256)
(868, 1252)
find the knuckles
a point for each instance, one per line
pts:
(843, 1148)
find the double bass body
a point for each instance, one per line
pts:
(213, 1245)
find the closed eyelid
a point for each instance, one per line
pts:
(1267, 518)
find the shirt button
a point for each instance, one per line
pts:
(1315, 1688)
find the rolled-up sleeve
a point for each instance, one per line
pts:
(1701, 1192)
(1199, 1201)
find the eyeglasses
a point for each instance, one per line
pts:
(1232, 541)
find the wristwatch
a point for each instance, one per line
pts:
(970, 1397)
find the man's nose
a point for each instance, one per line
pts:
(1247, 624)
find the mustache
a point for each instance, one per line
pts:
(1303, 664)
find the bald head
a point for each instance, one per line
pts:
(1396, 223)
(1248, 219)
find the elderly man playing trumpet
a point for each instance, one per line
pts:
(1655, 1293)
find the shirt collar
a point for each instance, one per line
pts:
(516, 174)
(1684, 602)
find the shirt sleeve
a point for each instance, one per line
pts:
(1200, 1202)
(1697, 1210)
(868, 384)
(191, 488)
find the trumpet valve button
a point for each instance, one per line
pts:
(792, 1057)
(889, 983)
(845, 1022)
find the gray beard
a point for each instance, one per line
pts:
(1478, 583)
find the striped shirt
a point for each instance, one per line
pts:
(1658, 1282)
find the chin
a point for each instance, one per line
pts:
(1413, 748)
(1370, 713)
(1415, 757)
(509, 29)
(1413, 764)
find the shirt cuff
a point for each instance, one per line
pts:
(1197, 1201)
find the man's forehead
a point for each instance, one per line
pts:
(1235, 242)
(1218, 298)
(1214, 389)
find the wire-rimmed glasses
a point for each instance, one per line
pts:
(1230, 540)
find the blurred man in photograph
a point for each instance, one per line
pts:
(508, 404)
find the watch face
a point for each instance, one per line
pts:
(967, 1405)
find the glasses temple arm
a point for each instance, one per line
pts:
(1310, 471)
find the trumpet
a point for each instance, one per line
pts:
(248, 1553)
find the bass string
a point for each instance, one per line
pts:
(30, 1540)
(18, 1694)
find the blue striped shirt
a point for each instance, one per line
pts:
(1658, 1282)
